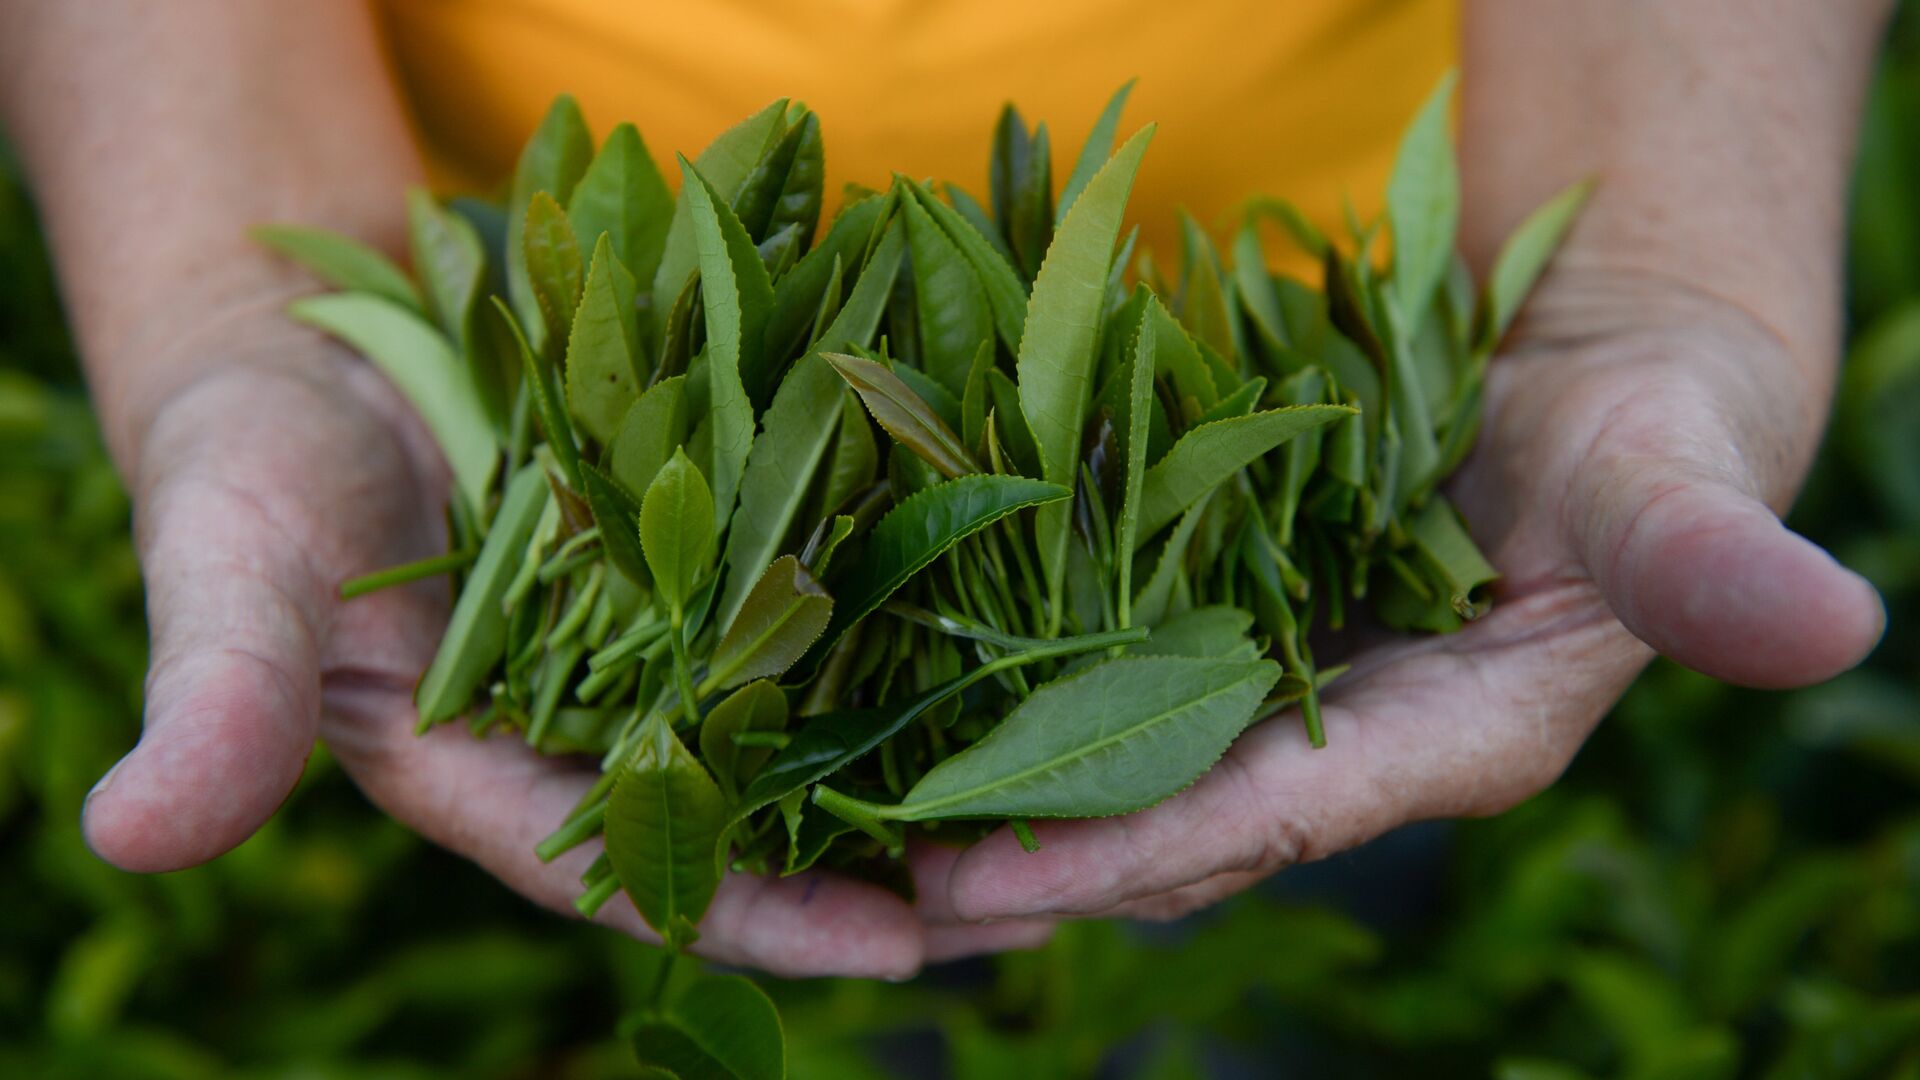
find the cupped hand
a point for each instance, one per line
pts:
(1640, 440)
(259, 486)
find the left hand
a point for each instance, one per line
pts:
(1640, 441)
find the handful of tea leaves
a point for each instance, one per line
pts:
(928, 516)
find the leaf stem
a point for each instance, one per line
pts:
(682, 670)
(860, 814)
(578, 829)
(418, 570)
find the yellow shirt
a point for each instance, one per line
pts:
(1303, 99)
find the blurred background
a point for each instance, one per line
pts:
(1726, 884)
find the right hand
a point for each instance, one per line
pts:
(260, 485)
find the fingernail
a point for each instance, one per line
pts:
(103, 783)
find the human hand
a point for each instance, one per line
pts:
(275, 474)
(1640, 439)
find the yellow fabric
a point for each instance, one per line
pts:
(1300, 98)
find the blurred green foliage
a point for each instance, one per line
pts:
(1726, 884)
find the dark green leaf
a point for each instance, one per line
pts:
(911, 421)
(623, 195)
(794, 435)
(723, 1027)
(757, 706)
(617, 511)
(477, 631)
(1057, 354)
(782, 616)
(1005, 293)
(1094, 152)
(915, 532)
(664, 820)
(737, 295)
(786, 184)
(954, 316)
(831, 742)
(1118, 737)
(648, 434)
(1207, 455)
(725, 164)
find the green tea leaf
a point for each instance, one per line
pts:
(602, 373)
(835, 740)
(1057, 354)
(1209, 454)
(1204, 306)
(909, 419)
(1132, 429)
(617, 511)
(648, 434)
(676, 529)
(954, 316)
(449, 259)
(737, 295)
(623, 195)
(423, 367)
(1423, 205)
(664, 820)
(1443, 543)
(552, 161)
(780, 619)
(1217, 632)
(856, 455)
(1094, 152)
(1178, 358)
(915, 532)
(725, 164)
(1116, 738)
(1156, 597)
(538, 381)
(795, 430)
(341, 261)
(757, 706)
(1005, 293)
(797, 297)
(1522, 259)
(554, 270)
(786, 185)
(477, 631)
(1011, 423)
(723, 1027)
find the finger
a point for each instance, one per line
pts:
(1187, 899)
(493, 800)
(1464, 724)
(1708, 575)
(232, 696)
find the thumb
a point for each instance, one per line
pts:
(1705, 573)
(233, 691)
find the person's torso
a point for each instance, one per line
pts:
(1302, 99)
